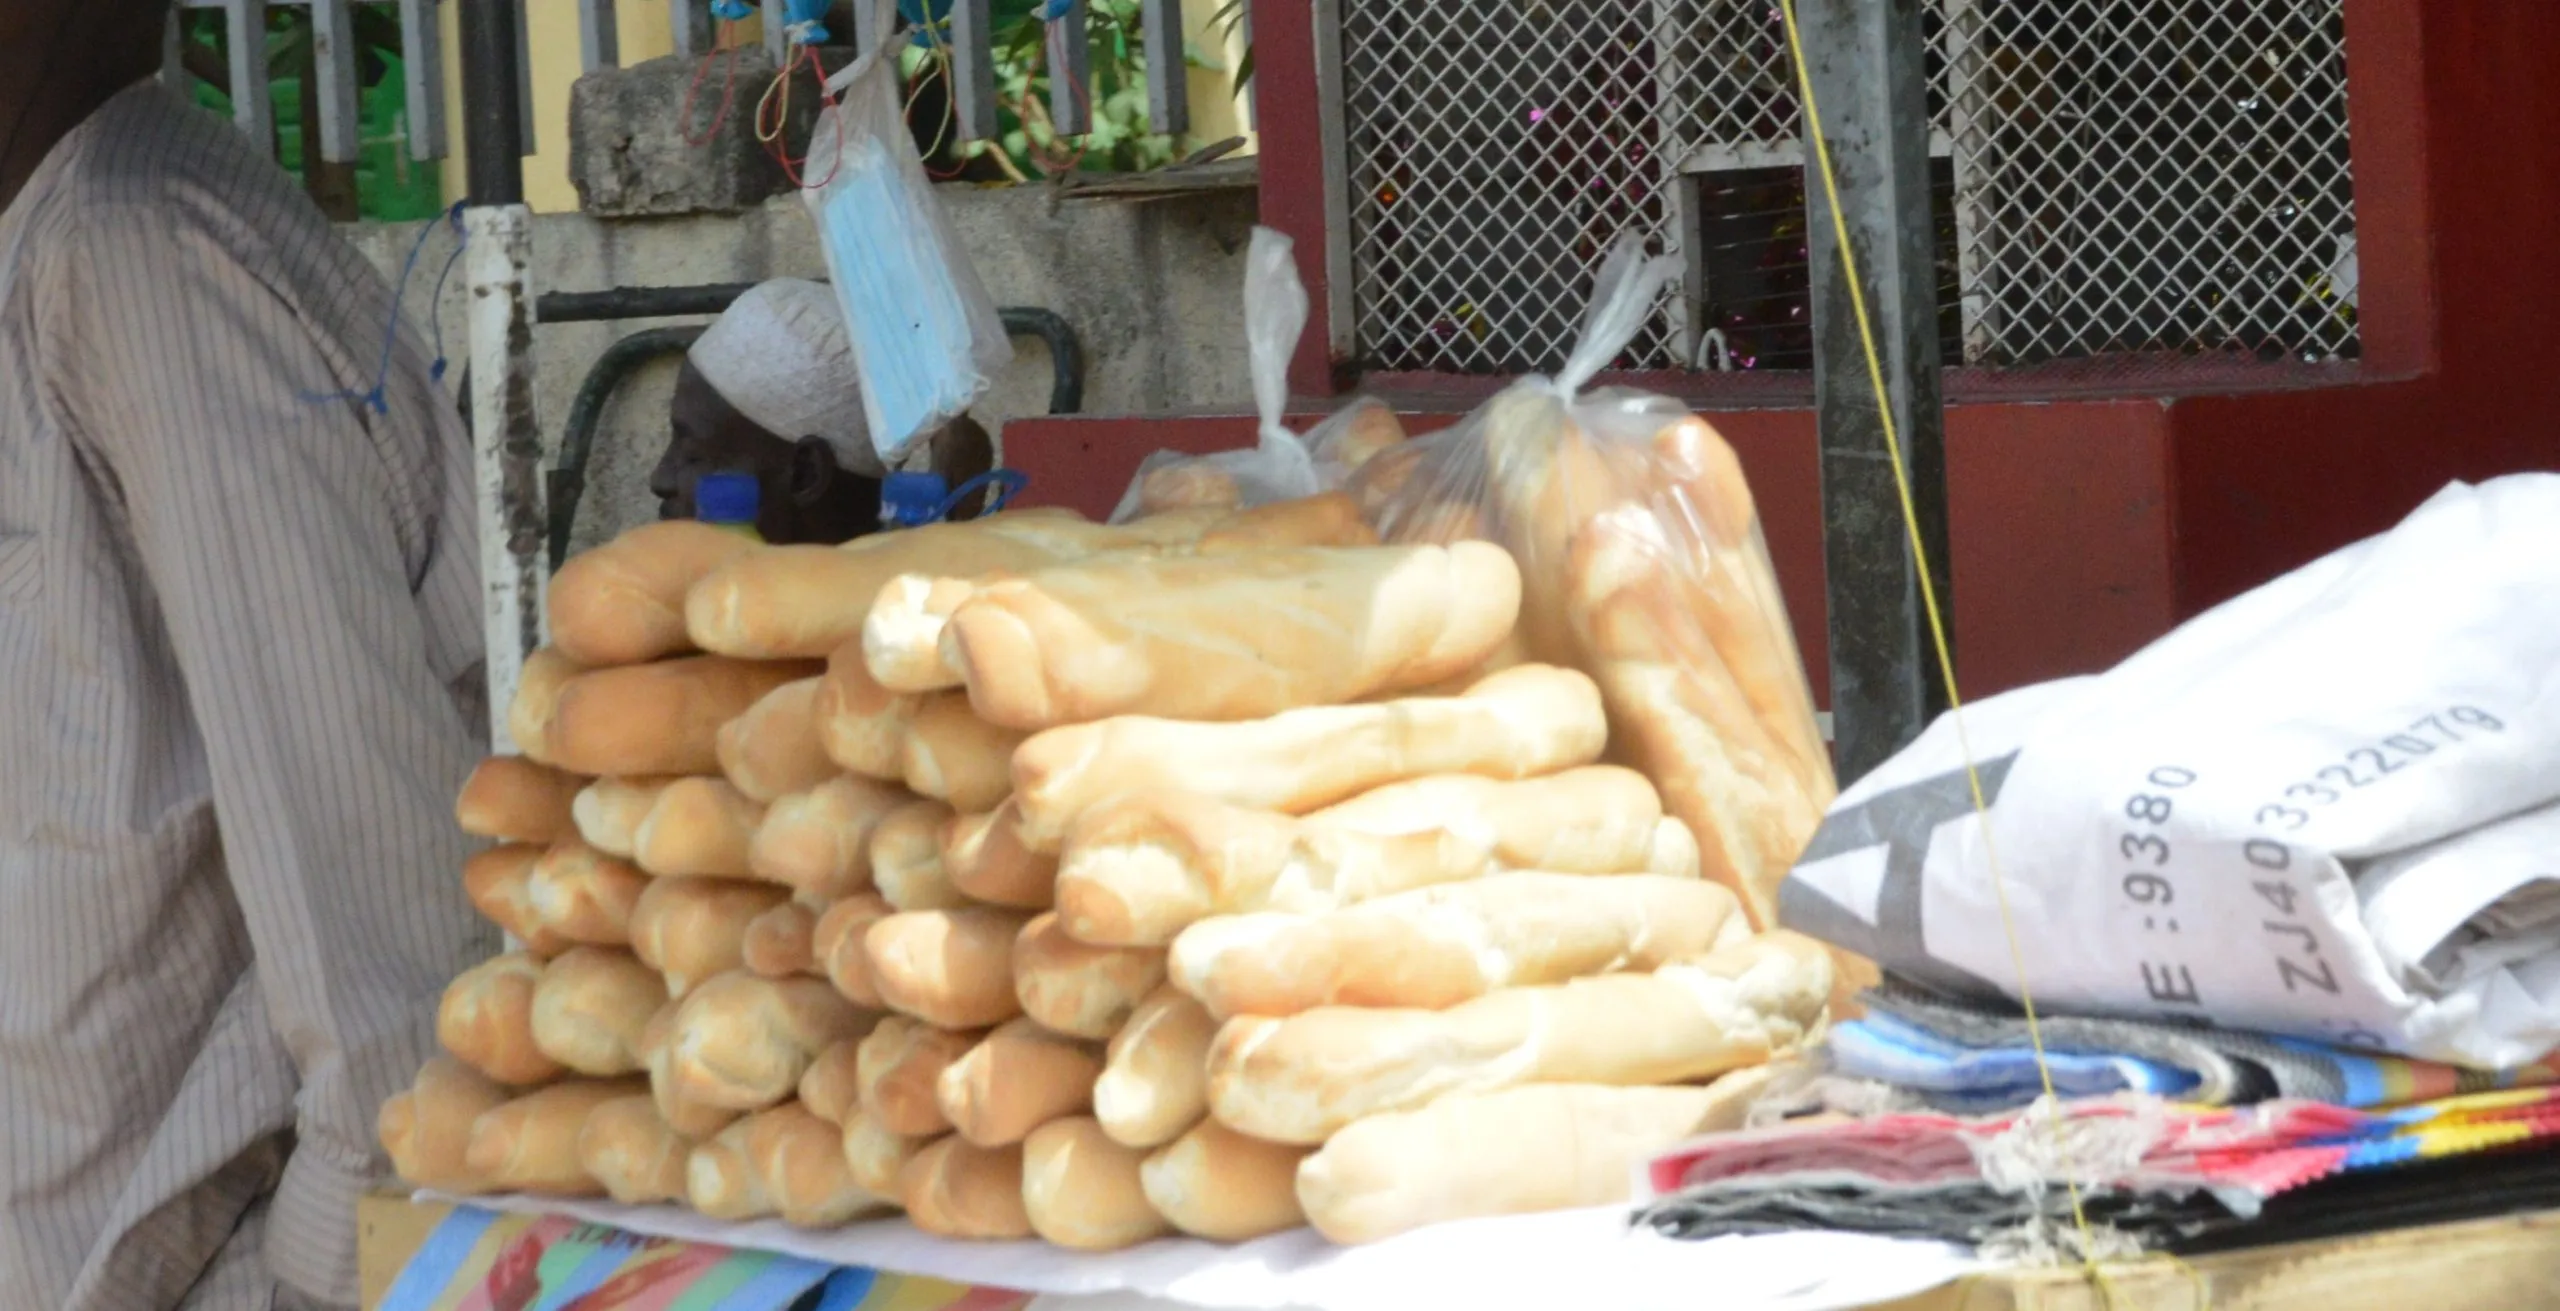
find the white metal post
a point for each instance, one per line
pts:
(333, 62)
(507, 443)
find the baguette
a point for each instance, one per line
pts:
(1601, 819)
(839, 944)
(781, 943)
(426, 1128)
(862, 725)
(1227, 637)
(689, 1119)
(1563, 1146)
(692, 929)
(1519, 723)
(537, 702)
(784, 1161)
(1218, 1184)
(721, 1180)
(832, 1087)
(659, 719)
(902, 636)
(950, 968)
(1077, 989)
(590, 1008)
(1330, 519)
(1187, 485)
(513, 799)
(774, 749)
(498, 883)
(818, 843)
(623, 603)
(985, 859)
(1019, 1078)
(1302, 1079)
(699, 827)
(1083, 1192)
(1674, 852)
(954, 756)
(584, 895)
(1155, 1077)
(956, 1190)
(486, 1021)
(610, 810)
(906, 858)
(741, 1043)
(629, 1150)
(530, 1145)
(1439, 946)
(1139, 869)
(899, 1075)
(875, 1155)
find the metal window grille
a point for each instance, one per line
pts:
(2116, 178)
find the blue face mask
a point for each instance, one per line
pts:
(909, 326)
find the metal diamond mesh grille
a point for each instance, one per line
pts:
(2128, 180)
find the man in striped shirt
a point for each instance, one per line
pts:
(238, 650)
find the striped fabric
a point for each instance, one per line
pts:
(238, 632)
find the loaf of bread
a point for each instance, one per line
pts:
(623, 602)
(1443, 945)
(499, 883)
(1302, 1078)
(1542, 1148)
(954, 756)
(1019, 1078)
(663, 718)
(1082, 1191)
(862, 724)
(1155, 1077)
(1597, 820)
(1675, 851)
(700, 826)
(899, 1073)
(986, 860)
(584, 895)
(832, 1086)
(513, 799)
(486, 1020)
(1227, 637)
(1520, 723)
(1187, 485)
(610, 810)
(1351, 439)
(688, 1118)
(840, 944)
(1327, 520)
(874, 1155)
(742, 1043)
(957, 1190)
(818, 843)
(782, 943)
(692, 929)
(627, 1148)
(902, 636)
(1218, 1184)
(1141, 868)
(952, 969)
(721, 1180)
(774, 749)
(530, 1145)
(782, 1161)
(537, 702)
(1078, 989)
(426, 1128)
(590, 1008)
(906, 858)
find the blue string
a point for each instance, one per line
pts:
(1012, 482)
(378, 397)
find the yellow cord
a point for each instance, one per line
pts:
(1928, 593)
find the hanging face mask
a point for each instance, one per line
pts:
(925, 335)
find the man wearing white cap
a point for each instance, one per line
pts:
(771, 390)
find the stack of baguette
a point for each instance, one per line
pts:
(1212, 874)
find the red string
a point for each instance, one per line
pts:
(728, 90)
(778, 146)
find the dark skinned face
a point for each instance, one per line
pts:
(806, 497)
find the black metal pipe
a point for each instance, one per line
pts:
(1066, 353)
(568, 481)
(492, 120)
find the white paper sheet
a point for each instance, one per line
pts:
(1569, 1259)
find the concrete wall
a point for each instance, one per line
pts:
(1154, 290)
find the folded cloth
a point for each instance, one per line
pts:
(2229, 1067)
(1972, 1213)
(1971, 1079)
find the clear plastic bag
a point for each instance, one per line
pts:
(1281, 465)
(926, 337)
(1642, 563)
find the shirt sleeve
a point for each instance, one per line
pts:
(282, 529)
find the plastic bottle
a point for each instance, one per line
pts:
(730, 501)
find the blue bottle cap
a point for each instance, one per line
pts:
(727, 498)
(910, 500)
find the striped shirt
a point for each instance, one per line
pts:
(238, 660)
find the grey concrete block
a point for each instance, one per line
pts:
(634, 154)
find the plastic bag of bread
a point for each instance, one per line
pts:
(1282, 465)
(1642, 564)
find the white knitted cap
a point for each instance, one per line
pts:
(780, 357)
